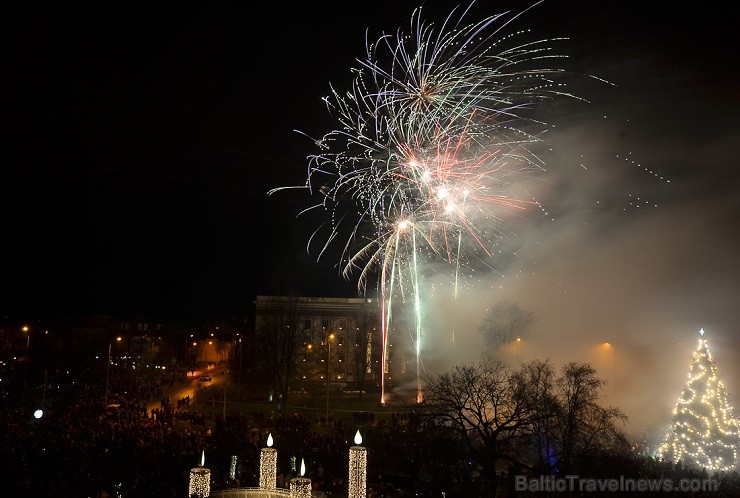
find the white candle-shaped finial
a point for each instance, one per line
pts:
(357, 469)
(300, 487)
(268, 465)
(200, 479)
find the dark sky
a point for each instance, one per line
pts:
(141, 143)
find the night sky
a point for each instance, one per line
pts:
(141, 143)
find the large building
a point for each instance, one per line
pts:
(338, 337)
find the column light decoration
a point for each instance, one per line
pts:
(200, 480)
(232, 468)
(268, 465)
(300, 487)
(357, 469)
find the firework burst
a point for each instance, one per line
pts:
(433, 138)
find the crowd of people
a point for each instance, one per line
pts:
(81, 449)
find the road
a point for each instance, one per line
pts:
(191, 384)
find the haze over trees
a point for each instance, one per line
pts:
(529, 418)
(504, 322)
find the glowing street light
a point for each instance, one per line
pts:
(107, 371)
(516, 346)
(187, 350)
(25, 329)
(614, 365)
(328, 361)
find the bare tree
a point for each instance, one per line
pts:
(505, 322)
(582, 428)
(536, 382)
(491, 409)
(527, 418)
(280, 338)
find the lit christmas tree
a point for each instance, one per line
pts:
(703, 432)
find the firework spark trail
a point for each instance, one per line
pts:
(432, 138)
(456, 284)
(417, 313)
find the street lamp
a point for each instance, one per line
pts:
(516, 344)
(614, 365)
(328, 360)
(239, 385)
(107, 371)
(195, 346)
(25, 329)
(187, 350)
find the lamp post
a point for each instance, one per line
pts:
(195, 347)
(614, 366)
(239, 385)
(614, 369)
(329, 338)
(223, 374)
(107, 371)
(516, 346)
(26, 330)
(187, 350)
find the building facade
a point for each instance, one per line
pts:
(337, 338)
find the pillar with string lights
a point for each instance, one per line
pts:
(200, 480)
(357, 469)
(300, 487)
(268, 465)
(232, 468)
